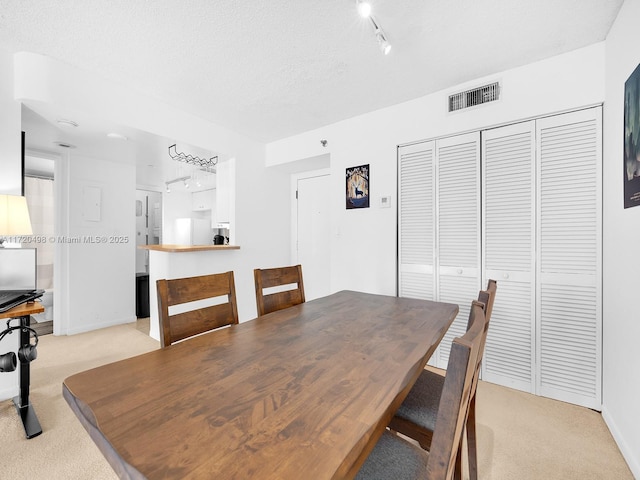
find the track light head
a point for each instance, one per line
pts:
(383, 43)
(364, 8)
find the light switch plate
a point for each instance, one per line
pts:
(385, 201)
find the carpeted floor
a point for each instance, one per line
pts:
(520, 436)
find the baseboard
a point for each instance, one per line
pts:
(628, 454)
(88, 327)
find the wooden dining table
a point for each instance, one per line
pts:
(301, 393)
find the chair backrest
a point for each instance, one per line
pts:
(199, 319)
(455, 397)
(486, 297)
(278, 277)
(490, 293)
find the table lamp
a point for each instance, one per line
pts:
(14, 216)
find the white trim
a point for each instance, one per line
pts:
(61, 253)
(628, 453)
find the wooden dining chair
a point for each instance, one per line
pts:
(417, 414)
(277, 299)
(208, 314)
(396, 458)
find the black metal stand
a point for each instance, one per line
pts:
(26, 411)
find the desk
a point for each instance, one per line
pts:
(28, 415)
(299, 393)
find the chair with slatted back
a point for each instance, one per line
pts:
(416, 416)
(278, 298)
(396, 458)
(209, 314)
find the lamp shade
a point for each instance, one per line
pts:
(14, 216)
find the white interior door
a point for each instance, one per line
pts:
(569, 326)
(508, 194)
(313, 236)
(458, 229)
(416, 221)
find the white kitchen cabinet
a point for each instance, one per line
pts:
(203, 200)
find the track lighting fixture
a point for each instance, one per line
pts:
(364, 9)
(181, 179)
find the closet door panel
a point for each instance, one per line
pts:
(508, 201)
(416, 237)
(509, 351)
(458, 229)
(569, 267)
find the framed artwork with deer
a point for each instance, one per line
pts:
(632, 140)
(357, 183)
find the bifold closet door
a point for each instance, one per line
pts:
(416, 220)
(457, 229)
(569, 305)
(508, 219)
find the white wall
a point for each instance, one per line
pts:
(363, 242)
(621, 238)
(10, 128)
(101, 282)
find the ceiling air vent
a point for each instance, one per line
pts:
(477, 96)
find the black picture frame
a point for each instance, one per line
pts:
(631, 147)
(357, 187)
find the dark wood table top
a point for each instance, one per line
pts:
(300, 393)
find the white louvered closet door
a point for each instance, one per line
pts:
(457, 229)
(508, 213)
(416, 253)
(569, 326)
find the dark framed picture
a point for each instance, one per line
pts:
(357, 183)
(632, 140)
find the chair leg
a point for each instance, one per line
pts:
(457, 473)
(471, 440)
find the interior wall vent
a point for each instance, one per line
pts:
(476, 96)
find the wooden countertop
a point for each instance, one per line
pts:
(187, 248)
(29, 308)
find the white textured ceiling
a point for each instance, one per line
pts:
(271, 69)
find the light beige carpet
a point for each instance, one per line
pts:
(520, 436)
